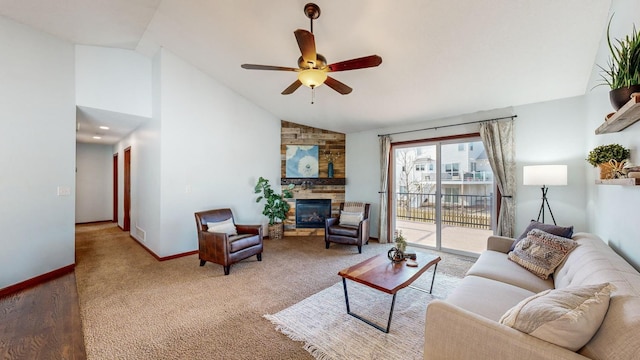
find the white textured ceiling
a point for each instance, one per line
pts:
(440, 58)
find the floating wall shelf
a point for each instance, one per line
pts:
(627, 182)
(623, 118)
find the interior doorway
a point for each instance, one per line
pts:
(126, 222)
(443, 193)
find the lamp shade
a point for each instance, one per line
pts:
(312, 77)
(544, 175)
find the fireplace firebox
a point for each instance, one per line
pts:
(312, 213)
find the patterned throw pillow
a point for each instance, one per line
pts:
(566, 232)
(567, 317)
(226, 226)
(541, 252)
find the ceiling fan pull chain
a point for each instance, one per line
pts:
(313, 95)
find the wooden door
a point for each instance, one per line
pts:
(115, 187)
(126, 224)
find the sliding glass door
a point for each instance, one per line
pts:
(443, 194)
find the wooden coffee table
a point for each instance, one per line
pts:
(380, 273)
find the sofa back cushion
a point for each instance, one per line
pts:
(594, 262)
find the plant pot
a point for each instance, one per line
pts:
(606, 171)
(621, 96)
(275, 231)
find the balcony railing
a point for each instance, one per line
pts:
(474, 176)
(472, 211)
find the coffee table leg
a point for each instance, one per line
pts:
(433, 279)
(346, 296)
(346, 299)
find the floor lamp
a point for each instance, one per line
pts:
(545, 175)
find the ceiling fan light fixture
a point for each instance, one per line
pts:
(312, 77)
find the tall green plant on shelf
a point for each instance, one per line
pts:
(275, 206)
(623, 69)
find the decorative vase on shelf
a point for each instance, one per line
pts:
(330, 170)
(619, 97)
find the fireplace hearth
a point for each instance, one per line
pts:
(312, 213)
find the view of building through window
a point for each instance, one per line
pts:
(443, 195)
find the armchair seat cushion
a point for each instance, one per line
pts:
(341, 230)
(243, 241)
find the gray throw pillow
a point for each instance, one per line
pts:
(565, 232)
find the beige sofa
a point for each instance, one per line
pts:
(466, 324)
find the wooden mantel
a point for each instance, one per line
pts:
(313, 181)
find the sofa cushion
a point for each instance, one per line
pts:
(595, 262)
(541, 252)
(486, 297)
(565, 232)
(226, 226)
(497, 266)
(567, 317)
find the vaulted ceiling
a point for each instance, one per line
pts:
(440, 58)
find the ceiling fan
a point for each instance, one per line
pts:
(312, 67)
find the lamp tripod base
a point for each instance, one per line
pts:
(545, 201)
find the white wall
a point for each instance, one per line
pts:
(550, 133)
(94, 182)
(613, 210)
(37, 153)
(204, 148)
(145, 173)
(215, 145)
(113, 79)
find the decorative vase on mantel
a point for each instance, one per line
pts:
(330, 157)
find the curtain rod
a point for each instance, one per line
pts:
(445, 126)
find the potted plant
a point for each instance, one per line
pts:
(275, 206)
(602, 155)
(622, 73)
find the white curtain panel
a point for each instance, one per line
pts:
(385, 148)
(497, 137)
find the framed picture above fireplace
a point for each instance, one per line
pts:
(302, 161)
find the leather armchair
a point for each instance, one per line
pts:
(346, 234)
(224, 249)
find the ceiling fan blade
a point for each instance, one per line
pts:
(359, 63)
(337, 86)
(307, 45)
(267, 67)
(293, 87)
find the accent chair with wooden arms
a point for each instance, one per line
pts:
(351, 227)
(222, 241)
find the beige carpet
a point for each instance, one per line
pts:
(329, 333)
(135, 307)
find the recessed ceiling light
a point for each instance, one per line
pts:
(97, 137)
(104, 127)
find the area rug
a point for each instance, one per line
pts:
(328, 332)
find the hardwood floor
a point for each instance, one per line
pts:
(42, 322)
